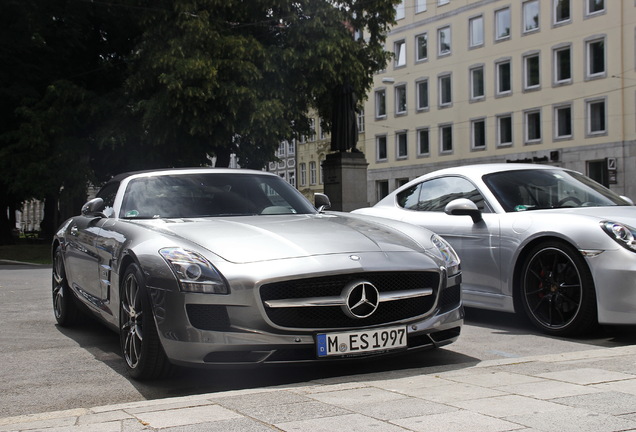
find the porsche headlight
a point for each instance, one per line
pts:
(621, 233)
(447, 253)
(194, 273)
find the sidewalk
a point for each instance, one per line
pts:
(579, 391)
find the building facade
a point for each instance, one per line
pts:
(477, 81)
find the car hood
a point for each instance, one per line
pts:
(260, 238)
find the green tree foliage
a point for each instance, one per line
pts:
(91, 88)
(238, 76)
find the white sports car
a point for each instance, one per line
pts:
(534, 238)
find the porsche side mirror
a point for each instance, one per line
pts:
(463, 207)
(322, 202)
(94, 207)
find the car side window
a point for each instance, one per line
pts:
(108, 193)
(435, 194)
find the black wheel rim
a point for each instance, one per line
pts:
(131, 319)
(58, 286)
(553, 288)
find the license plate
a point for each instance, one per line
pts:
(360, 342)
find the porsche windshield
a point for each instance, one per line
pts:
(210, 194)
(521, 190)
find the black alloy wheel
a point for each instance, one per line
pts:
(140, 344)
(557, 290)
(64, 307)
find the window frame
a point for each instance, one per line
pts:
(557, 66)
(529, 70)
(401, 103)
(401, 145)
(441, 31)
(378, 142)
(419, 132)
(589, 121)
(380, 102)
(555, 13)
(528, 122)
(500, 143)
(498, 64)
(418, 92)
(473, 136)
(590, 57)
(442, 128)
(302, 167)
(590, 13)
(477, 97)
(313, 173)
(399, 54)
(499, 35)
(471, 32)
(557, 109)
(445, 93)
(419, 37)
(524, 10)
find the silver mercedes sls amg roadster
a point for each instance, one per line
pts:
(535, 238)
(235, 267)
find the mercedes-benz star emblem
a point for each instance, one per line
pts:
(362, 299)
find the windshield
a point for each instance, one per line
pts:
(210, 194)
(547, 189)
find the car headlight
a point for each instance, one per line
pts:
(621, 233)
(194, 273)
(447, 253)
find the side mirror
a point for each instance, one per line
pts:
(463, 207)
(322, 202)
(94, 207)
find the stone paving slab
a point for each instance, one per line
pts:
(554, 393)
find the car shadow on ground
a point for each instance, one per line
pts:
(511, 323)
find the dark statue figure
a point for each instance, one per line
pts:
(344, 119)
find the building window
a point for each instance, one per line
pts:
(423, 144)
(421, 47)
(594, 6)
(380, 146)
(380, 103)
(476, 29)
(446, 138)
(422, 94)
(531, 68)
(400, 99)
(291, 147)
(291, 178)
(303, 174)
(322, 171)
(442, 2)
(502, 24)
(532, 126)
(399, 11)
(420, 6)
(596, 117)
(361, 121)
(445, 91)
(381, 189)
(312, 129)
(561, 11)
(400, 53)
(563, 122)
(504, 79)
(504, 130)
(444, 41)
(478, 133)
(477, 83)
(531, 16)
(563, 65)
(312, 173)
(401, 145)
(595, 51)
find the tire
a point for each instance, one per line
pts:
(139, 341)
(65, 308)
(557, 290)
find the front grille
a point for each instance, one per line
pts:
(328, 317)
(450, 298)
